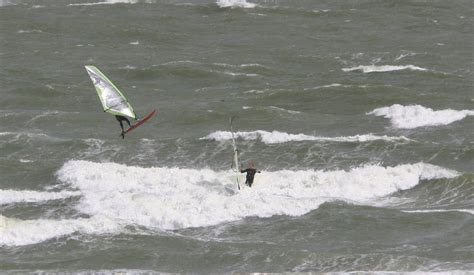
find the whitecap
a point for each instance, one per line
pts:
(29, 31)
(235, 74)
(117, 196)
(173, 198)
(413, 116)
(235, 4)
(383, 68)
(110, 2)
(240, 65)
(284, 110)
(17, 232)
(282, 137)
(128, 67)
(405, 54)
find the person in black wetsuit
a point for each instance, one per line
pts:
(250, 174)
(120, 119)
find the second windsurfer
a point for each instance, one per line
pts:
(120, 119)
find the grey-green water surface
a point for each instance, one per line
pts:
(359, 114)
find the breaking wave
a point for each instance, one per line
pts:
(116, 196)
(413, 116)
(15, 232)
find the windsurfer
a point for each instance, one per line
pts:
(120, 119)
(250, 174)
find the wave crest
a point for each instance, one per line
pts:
(414, 116)
(383, 68)
(235, 4)
(282, 137)
(117, 196)
(173, 198)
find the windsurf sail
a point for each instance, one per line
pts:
(113, 101)
(235, 164)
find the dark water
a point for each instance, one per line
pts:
(359, 114)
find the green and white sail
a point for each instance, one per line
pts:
(113, 101)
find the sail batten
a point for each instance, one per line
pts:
(113, 101)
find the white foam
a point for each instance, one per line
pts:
(254, 91)
(405, 54)
(235, 4)
(334, 85)
(273, 108)
(171, 198)
(224, 65)
(135, 43)
(128, 67)
(46, 113)
(110, 2)
(176, 62)
(413, 116)
(284, 110)
(29, 31)
(16, 232)
(281, 137)
(235, 74)
(329, 86)
(34, 136)
(16, 196)
(117, 196)
(383, 68)
(321, 11)
(240, 65)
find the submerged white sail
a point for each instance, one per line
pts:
(235, 165)
(113, 101)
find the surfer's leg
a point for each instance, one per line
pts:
(128, 121)
(121, 126)
(248, 182)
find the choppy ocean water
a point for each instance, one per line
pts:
(359, 114)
